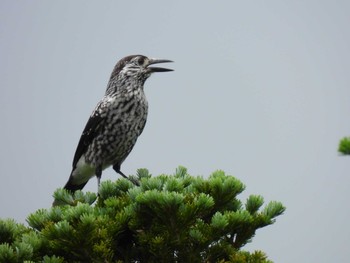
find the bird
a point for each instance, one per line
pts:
(116, 122)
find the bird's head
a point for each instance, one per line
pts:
(138, 67)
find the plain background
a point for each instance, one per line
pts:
(260, 90)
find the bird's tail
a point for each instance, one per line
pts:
(71, 187)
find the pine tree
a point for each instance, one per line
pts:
(169, 218)
(344, 146)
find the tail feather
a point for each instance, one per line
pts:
(73, 187)
(79, 177)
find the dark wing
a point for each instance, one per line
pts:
(90, 131)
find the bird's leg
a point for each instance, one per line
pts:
(116, 168)
(98, 173)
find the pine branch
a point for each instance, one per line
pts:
(344, 146)
(168, 218)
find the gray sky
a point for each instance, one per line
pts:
(260, 90)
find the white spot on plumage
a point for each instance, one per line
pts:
(83, 171)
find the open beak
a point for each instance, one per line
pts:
(158, 69)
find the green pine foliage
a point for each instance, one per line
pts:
(344, 146)
(169, 218)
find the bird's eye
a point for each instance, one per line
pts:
(141, 60)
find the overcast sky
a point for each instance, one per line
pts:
(260, 90)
